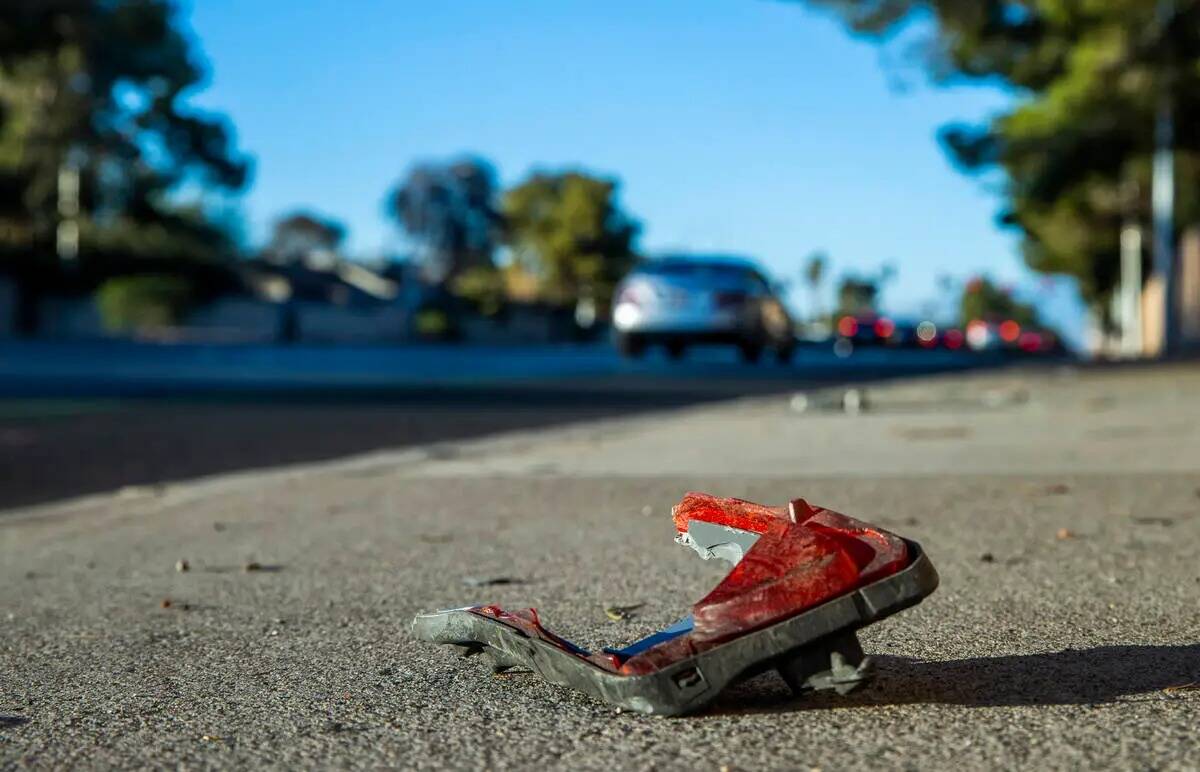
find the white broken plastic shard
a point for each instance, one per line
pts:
(711, 540)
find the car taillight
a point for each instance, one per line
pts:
(847, 326)
(953, 339)
(884, 327)
(1010, 331)
(1030, 342)
(729, 299)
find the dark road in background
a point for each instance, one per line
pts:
(87, 418)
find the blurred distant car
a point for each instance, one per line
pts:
(682, 301)
(863, 330)
(1008, 335)
(983, 336)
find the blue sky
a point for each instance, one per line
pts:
(746, 126)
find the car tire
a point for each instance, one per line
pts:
(631, 346)
(676, 350)
(750, 352)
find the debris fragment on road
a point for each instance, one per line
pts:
(181, 566)
(1163, 521)
(490, 581)
(1193, 686)
(810, 578)
(857, 400)
(622, 613)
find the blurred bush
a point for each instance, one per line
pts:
(483, 287)
(136, 303)
(433, 324)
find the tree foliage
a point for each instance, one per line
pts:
(857, 295)
(101, 87)
(1076, 148)
(449, 210)
(983, 299)
(138, 303)
(300, 235)
(814, 269)
(568, 230)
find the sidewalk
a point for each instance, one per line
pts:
(1062, 510)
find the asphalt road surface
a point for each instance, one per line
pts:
(87, 418)
(1061, 509)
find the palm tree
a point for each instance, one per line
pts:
(814, 276)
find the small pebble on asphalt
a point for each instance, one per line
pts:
(622, 613)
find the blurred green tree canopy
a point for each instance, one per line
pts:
(297, 236)
(857, 295)
(99, 89)
(1076, 149)
(814, 268)
(143, 303)
(983, 299)
(567, 230)
(449, 210)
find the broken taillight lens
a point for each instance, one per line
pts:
(804, 580)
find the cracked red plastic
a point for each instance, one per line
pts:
(804, 556)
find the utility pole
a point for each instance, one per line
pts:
(1162, 275)
(1130, 302)
(67, 234)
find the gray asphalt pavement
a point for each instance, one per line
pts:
(1061, 508)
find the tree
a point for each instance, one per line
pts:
(449, 210)
(814, 276)
(982, 299)
(857, 295)
(142, 303)
(1075, 151)
(301, 235)
(93, 95)
(568, 231)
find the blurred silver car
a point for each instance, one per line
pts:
(681, 301)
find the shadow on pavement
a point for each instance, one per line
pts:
(77, 437)
(1070, 677)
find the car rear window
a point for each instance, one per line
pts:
(706, 270)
